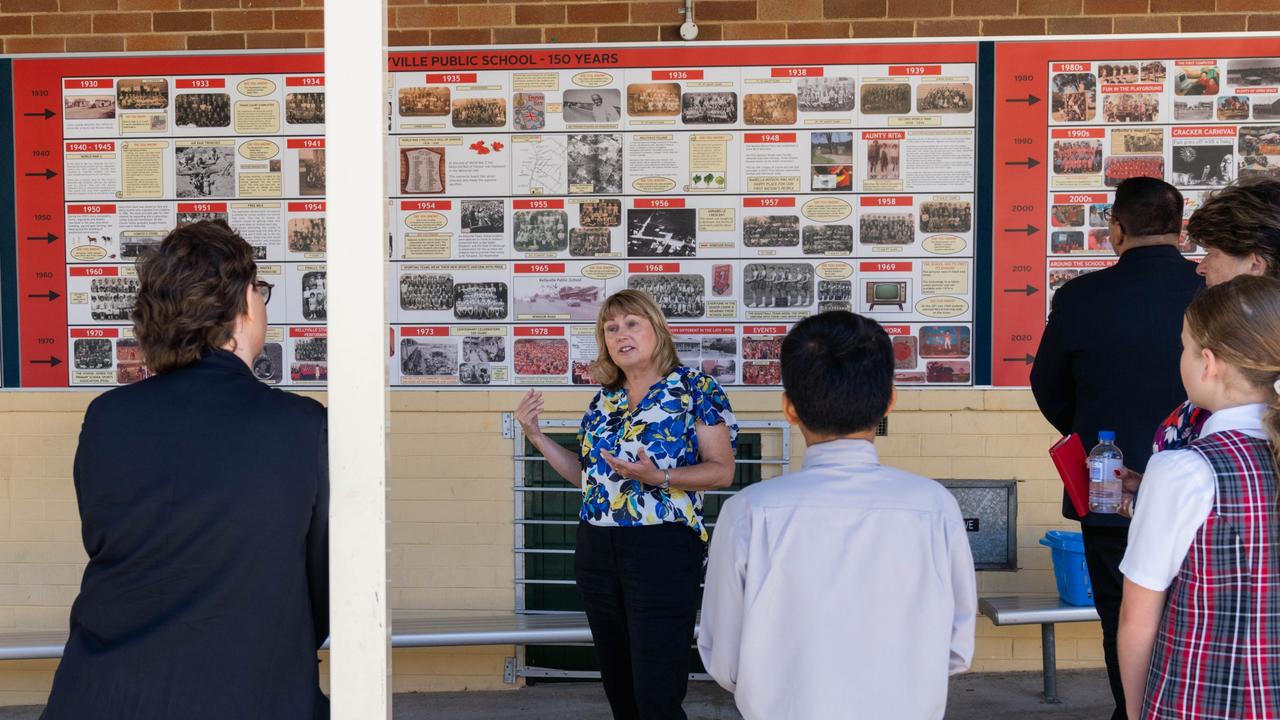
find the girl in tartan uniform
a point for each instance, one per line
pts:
(1200, 622)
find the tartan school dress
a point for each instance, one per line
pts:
(1217, 651)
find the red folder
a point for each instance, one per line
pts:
(1068, 456)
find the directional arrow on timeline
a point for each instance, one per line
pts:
(47, 174)
(49, 238)
(46, 114)
(1029, 230)
(1027, 359)
(51, 362)
(1030, 162)
(1029, 290)
(1029, 99)
(50, 296)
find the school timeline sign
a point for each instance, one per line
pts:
(743, 186)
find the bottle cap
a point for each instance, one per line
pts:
(1106, 436)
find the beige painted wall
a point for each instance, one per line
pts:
(452, 505)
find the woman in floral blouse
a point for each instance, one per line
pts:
(654, 437)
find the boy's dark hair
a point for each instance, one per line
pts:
(1146, 206)
(837, 370)
(1241, 219)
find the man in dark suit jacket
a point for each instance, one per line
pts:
(203, 499)
(1108, 360)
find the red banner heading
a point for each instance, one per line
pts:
(539, 268)
(202, 207)
(537, 204)
(886, 201)
(796, 72)
(413, 205)
(449, 78)
(93, 271)
(89, 84)
(307, 206)
(885, 267)
(915, 70)
(768, 202)
(677, 75)
(305, 81)
(539, 332)
(764, 329)
(769, 138)
(657, 203)
(199, 83)
(304, 143)
(91, 209)
(653, 267)
(424, 332)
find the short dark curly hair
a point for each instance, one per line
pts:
(1241, 219)
(192, 289)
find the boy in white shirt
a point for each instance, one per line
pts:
(844, 590)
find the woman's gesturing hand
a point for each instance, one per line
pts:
(527, 413)
(642, 469)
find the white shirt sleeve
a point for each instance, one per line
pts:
(965, 593)
(1176, 498)
(723, 597)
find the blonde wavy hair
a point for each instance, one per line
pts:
(638, 303)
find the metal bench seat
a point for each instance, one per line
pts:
(1042, 611)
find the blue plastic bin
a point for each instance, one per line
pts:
(1068, 566)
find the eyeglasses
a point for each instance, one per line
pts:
(1106, 215)
(264, 289)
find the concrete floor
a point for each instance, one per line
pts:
(1084, 694)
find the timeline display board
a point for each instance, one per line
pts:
(744, 188)
(1076, 118)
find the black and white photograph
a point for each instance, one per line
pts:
(943, 98)
(777, 285)
(543, 297)
(589, 242)
(204, 110)
(132, 246)
(1128, 141)
(311, 178)
(600, 213)
(1266, 110)
(1253, 72)
(314, 296)
(186, 218)
(420, 291)
(709, 108)
(205, 170)
(1073, 97)
(112, 298)
(89, 107)
(679, 296)
(1193, 109)
(1203, 165)
(647, 99)
(1077, 157)
(825, 94)
(720, 348)
(142, 94)
(484, 349)
(826, 240)
(831, 148)
(886, 99)
(470, 373)
(771, 231)
(835, 290)
(952, 216)
(882, 159)
(886, 229)
(540, 230)
(769, 109)
(724, 372)
(304, 108)
(479, 112)
(269, 365)
(833, 305)
(528, 111)
(91, 354)
(306, 235)
(424, 102)
(426, 358)
(482, 216)
(594, 163)
(480, 301)
(599, 105)
(670, 232)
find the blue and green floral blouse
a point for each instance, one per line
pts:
(664, 423)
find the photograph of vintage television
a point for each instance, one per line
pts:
(886, 292)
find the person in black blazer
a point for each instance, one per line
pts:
(1108, 360)
(203, 499)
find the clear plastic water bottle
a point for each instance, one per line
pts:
(1105, 459)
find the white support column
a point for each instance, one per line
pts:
(355, 67)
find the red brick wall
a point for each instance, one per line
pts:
(114, 25)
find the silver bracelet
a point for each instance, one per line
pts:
(666, 479)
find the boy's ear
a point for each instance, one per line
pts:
(789, 411)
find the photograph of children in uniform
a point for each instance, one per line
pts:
(1077, 157)
(886, 229)
(944, 341)
(882, 159)
(1116, 170)
(424, 358)
(88, 107)
(424, 102)
(761, 348)
(1203, 165)
(886, 99)
(1062, 242)
(529, 111)
(91, 354)
(205, 170)
(600, 213)
(304, 108)
(937, 216)
(1137, 140)
(777, 285)
(142, 94)
(826, 240)
(602, 105)
(111, 299)
(1130, 107)
(769, 109)
(652, 99)
(482, 216)
(762, 372)
(835, 295)
(480, 301)
(484, 349)
(541, 356)
(590, 242)
(771, 231)
(420, 291)
(479, 112)
(594, 163)
(943, 98)
(314, 297)
(709, 108)
(311, 178)
(825, 94)
(422, 170)
(1118, 73)
(311, 360)
(202, 110)
(669, 232)
(575, 298)
(540, 230)
(679, 296)
(130, 368)
(306, 235)
(1066, 215)
(1073, 97)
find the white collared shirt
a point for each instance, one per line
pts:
(1175, 499)
(844, 590)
